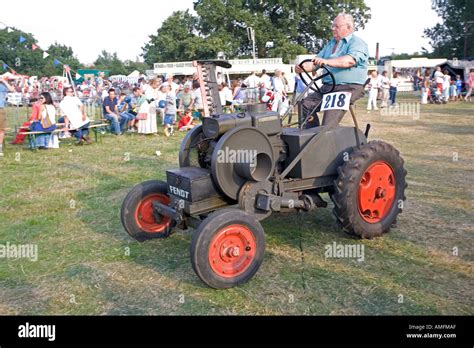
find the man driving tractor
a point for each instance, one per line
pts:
(346, 56)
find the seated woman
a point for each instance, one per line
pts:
(25, 127)
(75, 117)
(46, 121)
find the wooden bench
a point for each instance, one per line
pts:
(32, 134)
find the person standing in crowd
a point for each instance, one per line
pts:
(416, 80)
(439, 79)
(5, 87)
(252, 83)
(185, 98)
(238, 95)
(384, 84)
(174, 87)
(197, 104)
(46, 122)
(147, 125)
(394, 81)
(286, 83)
(469, 85)
(75, 118)
(425, 87)
(446, 85)
(170, 112)
(458, 87)
(373, 89)
(266, 79)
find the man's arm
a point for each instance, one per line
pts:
(339, 62)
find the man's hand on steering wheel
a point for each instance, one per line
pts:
(319, 61)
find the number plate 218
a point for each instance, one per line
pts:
(336, 101)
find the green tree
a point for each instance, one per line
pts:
(20, 56)
(294, 27)
(62, 53)
(175, 40)
(111, 62)
(454, 37)
(131, 66)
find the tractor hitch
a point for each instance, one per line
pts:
(161, 209)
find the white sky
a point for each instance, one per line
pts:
(89, 26)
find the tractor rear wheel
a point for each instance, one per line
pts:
(138, 217)
(370, 190)
(227, 248)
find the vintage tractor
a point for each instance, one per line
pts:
(237, 169)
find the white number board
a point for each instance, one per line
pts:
(336, 101)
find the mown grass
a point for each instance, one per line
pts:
(88, 265)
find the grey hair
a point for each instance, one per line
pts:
(348, 19)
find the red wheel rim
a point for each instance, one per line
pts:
(144, 214)
(232, 250)
(377, 191)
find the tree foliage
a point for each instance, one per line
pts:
(450, 37)
(24, 60)
(294, 27)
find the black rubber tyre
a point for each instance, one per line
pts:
(233, 263)
(137, 212)
(349, 195)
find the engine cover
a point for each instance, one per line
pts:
(192, 184)
(325, 155)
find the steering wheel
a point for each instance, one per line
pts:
(313, 81)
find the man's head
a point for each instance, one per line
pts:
(374, 74)
(111, 93)
(187, 89)
(137, 91)
(264, 72)
(122, 96)
(170, 78)
(68, 91)
(438, 68)
(385, 72)
(342, 26)
(277, 73)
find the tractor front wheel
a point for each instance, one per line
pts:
(370, 190)
(137, 214)
(227, 248)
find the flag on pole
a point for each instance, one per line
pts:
(56, 62)
(22, 39)
(34, 47)
(45, 55)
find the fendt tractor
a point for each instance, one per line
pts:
(236, 169)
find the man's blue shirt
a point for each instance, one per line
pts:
(352, 46)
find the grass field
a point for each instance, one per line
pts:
(67, 202)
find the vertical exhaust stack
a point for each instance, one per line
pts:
(377, 52)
